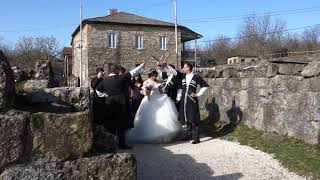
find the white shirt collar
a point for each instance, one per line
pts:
(189, 78)
(190, 74)
(169, 79)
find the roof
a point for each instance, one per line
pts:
(132, 19)
(243, 56)
(67, 50)
(127, 18)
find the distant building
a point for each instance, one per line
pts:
(126, 39)
(242, 59)
(67, 55)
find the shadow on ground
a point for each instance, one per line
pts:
(158, 163)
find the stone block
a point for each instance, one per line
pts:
(7, 84)
(60, 136)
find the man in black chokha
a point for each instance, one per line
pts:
(98, 102)
(189, 109)
(117, 120)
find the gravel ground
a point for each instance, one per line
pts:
(211, 159)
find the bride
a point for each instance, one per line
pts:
(156, 120)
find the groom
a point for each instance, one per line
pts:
(189, 109)
(117, 116)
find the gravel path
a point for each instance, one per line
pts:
(211, 159)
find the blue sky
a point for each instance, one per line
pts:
(60, 17)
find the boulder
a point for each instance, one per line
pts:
(287, 69)
(229, 72)
(103, 142)
(312, 69)
(298, 68)
(111, 166)
(44, 71)
(39, 171)
(60, 136)
(76, 97)
(13, 137)
(272, 70)
(120, 166)
(35, 85)
(7, 85)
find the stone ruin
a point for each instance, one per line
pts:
(280, 97)
(7, 85)
(49, 135)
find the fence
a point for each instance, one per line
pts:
(294, 54)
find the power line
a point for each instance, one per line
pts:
(275, 13)
(222, 18)
(255, 35)
(38, 29)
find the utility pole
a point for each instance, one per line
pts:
(80, 73)
(176, 29)
(195, 53)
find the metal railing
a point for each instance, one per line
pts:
(293, 54)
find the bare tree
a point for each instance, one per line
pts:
(28, 50)
(38, 48)
(260, 35)
(48, 47)
(310, 38)
(219, 50)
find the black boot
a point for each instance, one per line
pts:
(122, 140)
(188, 135)
(196, 135)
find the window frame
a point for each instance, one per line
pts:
(163, 43)
(113, 40)
(139, 42)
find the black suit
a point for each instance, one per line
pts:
(98, 102)
(117, 117)
(117, 113)
(172, 87)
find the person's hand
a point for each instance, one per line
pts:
(146, 92)
(193, 94)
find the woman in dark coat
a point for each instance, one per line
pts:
(136, 96)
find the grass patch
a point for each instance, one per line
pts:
(295, 155)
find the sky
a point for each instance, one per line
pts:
(209, 18)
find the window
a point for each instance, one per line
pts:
(112, 40)
(235, 61)
(252, 60)
(163, 43)
(139, 42)
(242, 60)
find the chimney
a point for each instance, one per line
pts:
(112, 11)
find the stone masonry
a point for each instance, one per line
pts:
(273, 97)
(96, 52)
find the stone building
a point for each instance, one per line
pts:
(67, 55)
(126, 39)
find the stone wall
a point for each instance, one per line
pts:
(49, 133)
(282, 97)
(98, 54)
(7, 84)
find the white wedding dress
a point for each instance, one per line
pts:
(156, 120)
